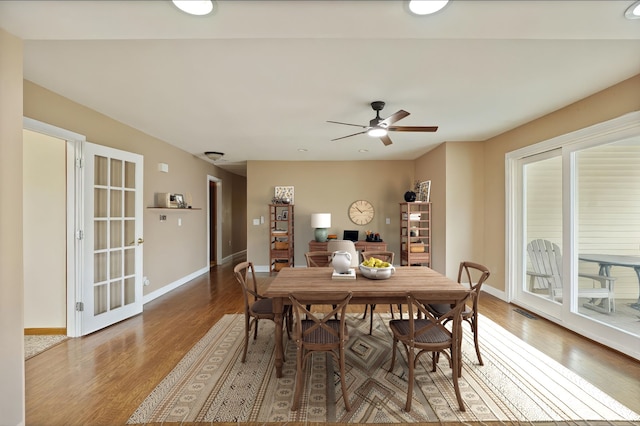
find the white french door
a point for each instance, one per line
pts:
(111, 288)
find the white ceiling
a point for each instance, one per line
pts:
(258, 80)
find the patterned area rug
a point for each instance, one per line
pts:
(516, 384)
(36, 344)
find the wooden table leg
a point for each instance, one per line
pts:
(278, 308)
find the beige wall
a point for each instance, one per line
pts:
(45, 247)
(433, 166)
(602, 106)
(464, 205)
(11, 259)
(326, 187)
(171, 252)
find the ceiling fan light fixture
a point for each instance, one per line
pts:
(194, 7)
(633, 11)
(426, 7)
(377, 132)
(214, 155)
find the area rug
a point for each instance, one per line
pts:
(36, 344)
(517, 384)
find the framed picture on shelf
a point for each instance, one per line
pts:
(424, 191)
(179, 201)
(285, 214)
(285, 194)
(279, 217)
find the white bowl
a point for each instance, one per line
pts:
(377, 273)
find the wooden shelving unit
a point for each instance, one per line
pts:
(415, 233)
(281, 227)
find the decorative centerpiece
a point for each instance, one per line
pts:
(376, 269)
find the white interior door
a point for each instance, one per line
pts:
(112, 240)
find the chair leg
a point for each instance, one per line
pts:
(299, 380)
(347, 405)
(456, 368)
(366, 308)
(411, 362)
(474, 328)
(255, 330)
(393, 354)
(246, 337)
(373, 307)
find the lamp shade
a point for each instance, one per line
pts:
(321, 220)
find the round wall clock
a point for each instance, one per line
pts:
(361, 212)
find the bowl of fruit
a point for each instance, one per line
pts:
(376, 269)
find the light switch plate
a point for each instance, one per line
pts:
(256, 221)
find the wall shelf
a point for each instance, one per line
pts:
(174, 208)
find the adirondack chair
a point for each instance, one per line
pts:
(546, 262)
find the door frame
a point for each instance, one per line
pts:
(74, 142)
(620, 128)
(218, 217)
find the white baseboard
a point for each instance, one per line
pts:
(500, 294)
(172, 286)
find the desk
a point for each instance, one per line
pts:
(364, 291)
(606, 261)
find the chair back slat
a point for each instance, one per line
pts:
(318, 258)
(546, 259)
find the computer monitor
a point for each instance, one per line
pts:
(350, 235)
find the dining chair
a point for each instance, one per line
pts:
(318, 258)
(428, 333)
(319, 333)
(386, 256)
(256, 306)
(474, 275)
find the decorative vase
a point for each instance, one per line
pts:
(409, 196)
(341, 261)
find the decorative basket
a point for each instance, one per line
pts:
(416, 248)
(281, 245)
(279, 265)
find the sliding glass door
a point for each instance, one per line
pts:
(542, 230)
(573, 231)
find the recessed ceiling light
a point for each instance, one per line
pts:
(426, 7)
(363, 150)
(194, 7)
(302, 149)
(633, 11)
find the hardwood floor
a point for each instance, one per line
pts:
(101, 379)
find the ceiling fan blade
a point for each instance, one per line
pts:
(348, 136)
(347, 124)
(393, 118)
(385, 140)
(412, 128)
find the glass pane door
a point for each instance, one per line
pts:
(542, 229)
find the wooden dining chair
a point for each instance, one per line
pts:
(318, 258)
(256, 306)
(319, 333)
(386, 256)
(429, 334)
(474, 275)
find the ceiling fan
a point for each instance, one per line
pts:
(379, 127)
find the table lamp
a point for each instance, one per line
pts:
(321, 221)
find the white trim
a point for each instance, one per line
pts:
(218, 183)
(74, 145)
(172, 286)
(620, 128)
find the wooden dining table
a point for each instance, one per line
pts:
(394, 290)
